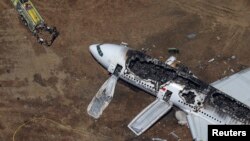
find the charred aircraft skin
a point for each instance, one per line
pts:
(158, 73)
(149, 69)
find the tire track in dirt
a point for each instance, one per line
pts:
(4, 4)
(223, 14)
(12, 31)
(45, 125)
(234, 37)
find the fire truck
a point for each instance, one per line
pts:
(35, 23)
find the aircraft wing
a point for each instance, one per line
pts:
(236, 86)
(198, 127)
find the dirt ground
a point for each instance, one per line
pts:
(44, 92)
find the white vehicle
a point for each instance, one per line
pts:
(202, 104)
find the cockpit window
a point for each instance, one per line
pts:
(99, 50)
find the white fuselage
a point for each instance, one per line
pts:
(109, 55)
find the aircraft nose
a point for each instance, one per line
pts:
(107, 54)
(98, 53)
(93, 50)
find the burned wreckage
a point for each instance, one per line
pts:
(158, 73)
(172, 84)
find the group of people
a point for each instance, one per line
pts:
(44, 28)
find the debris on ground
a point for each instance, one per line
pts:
(145, 49)
(173, 50)
(158, 139)
(211, 60)
(175, 136)
(218, 38)
(124, 43)
(170, 60)
(201, 65)
(233, 57)
(191, 35)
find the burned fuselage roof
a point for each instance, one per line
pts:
(229, 105)
(145, 67)
(148, 68)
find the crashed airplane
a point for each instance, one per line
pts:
(172, 85)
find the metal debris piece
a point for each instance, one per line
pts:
(175, 136)
(158, 139)
(218, 38)
(124, 43)
(170, 60)
(191, 35)
(173, 50)
(145, 49)
(233, 57)
(211, 60)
